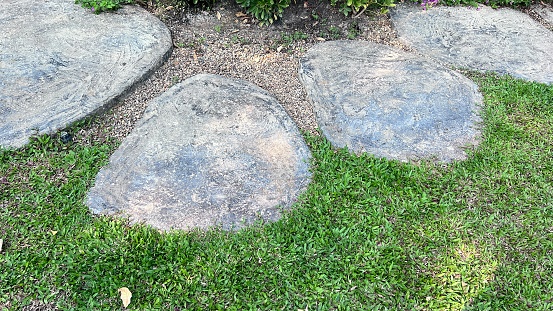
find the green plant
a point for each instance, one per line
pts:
(334, 32)
(359, 6)
(237, 39)
(314, 15)
(98, 6)
(218, 28)
(286, 40)
(266, 11)
(353, 30)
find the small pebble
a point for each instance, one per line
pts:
(66, 137)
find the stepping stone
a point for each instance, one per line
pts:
(60, 62)
(389, 103)
(210, 151)
(504, 41)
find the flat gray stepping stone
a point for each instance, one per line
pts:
(389, 103)
(504, 41)
(60, 62)
(209, 151)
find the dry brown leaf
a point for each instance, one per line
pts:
(125, 296)
(218, 16)
(240, 14)
(53, 232)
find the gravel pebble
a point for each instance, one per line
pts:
(237, 47)
(227, 42)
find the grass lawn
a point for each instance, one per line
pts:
(369, 234)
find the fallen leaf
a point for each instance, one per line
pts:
(240, 14)
(320, 39)
(218, 16)
(53, 232)
(125, 296)
(169, 8)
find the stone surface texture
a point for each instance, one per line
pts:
(503, 40)
(545, 11)
(380, 100)
(60, 62)
(211, 151)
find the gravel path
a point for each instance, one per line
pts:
(227, 42)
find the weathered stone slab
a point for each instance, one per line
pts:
(60, 62)
(504, 40)
(383, 101)
(209, 151)
(545, 11)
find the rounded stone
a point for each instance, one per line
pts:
(376, 99)
(60, 62)
(504, 41)
(211, 151)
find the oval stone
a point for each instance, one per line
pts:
(60, 62)
(211, 151)
(504, 41)
(380, 100)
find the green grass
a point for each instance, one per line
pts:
(369, 234)
(286, 41)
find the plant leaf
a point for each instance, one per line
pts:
(125, 296)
